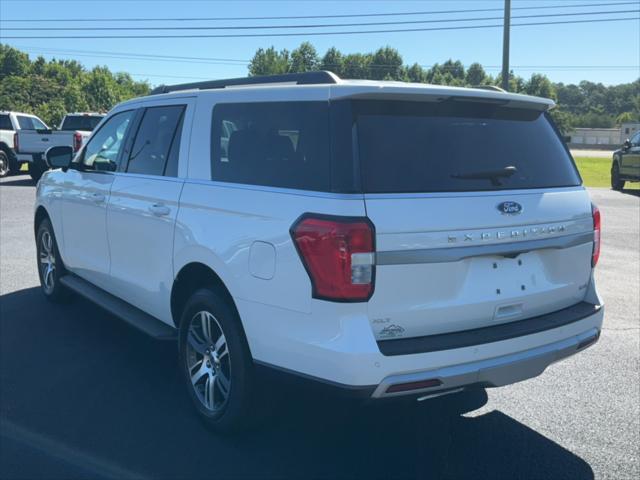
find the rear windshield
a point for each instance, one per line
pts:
(80, 122)
(456, 146)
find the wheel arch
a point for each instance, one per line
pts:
(41, 214)
(7, 149)
(615, 161)
(191, 277)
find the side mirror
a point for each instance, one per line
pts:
(627, 144)
(59, 157)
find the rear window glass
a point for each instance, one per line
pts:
(277, 144)
(80, 122)
(30, 123)
(451, 146)
(5, 123)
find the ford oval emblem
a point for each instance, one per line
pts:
(510, 208)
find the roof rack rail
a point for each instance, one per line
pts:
(493, 88)
(305, 78)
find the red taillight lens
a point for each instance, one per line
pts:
(15, 143)
(596, 235)
(77, 141)
(338, 253)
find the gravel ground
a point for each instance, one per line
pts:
(84, 396)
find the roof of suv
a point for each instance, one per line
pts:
(340, 88)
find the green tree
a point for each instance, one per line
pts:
(304, 59)
(627, 117)
(269, 62)
(356, 65)
(475, 75)
(415, 73)
(563, 120)
(540, 86)
(333, 61)
(386, 63)
(13, 62)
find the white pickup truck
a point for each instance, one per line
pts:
(10, 124)
(31, 144)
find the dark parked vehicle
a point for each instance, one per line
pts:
(626, 163)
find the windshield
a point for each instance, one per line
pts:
(30, 123)
(457, 146)
(80, 122)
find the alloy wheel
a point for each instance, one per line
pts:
(208, 361)
(4, 166)
(47, 261)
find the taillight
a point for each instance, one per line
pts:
(338, 253)
(596, 235)
(77, 141)
(15, 142)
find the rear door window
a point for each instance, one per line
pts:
(30, 123)
(277, 144)
(454, 146)
(5, 123)
(154, 142)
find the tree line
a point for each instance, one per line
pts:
(52, 88)
(587, 104)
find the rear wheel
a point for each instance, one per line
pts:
(215, 361)
(4, 164)
(50, 267)
(616, 182)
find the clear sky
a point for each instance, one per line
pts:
(601, 52)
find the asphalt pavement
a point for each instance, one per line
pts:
(84, 396)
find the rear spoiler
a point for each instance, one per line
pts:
(418, 94)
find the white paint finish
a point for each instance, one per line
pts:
(140, 223)
(218, 224)
(262, 260)
(84, 224)
(242, 233)
(434, 298)
(337, 344)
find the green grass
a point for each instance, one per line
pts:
(596, 172)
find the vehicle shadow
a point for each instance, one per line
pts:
(83, 378)
(18, 181)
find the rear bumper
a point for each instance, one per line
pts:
(493, 372)
(349, 360)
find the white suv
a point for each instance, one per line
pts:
(385, 239)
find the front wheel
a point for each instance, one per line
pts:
(50, 267)
(215, 361)
(616, 183)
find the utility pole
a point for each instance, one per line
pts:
(505, 44)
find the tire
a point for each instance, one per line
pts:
(616, 183)
(5, 165)
(50, 266)
(36, 169)
(214, 359)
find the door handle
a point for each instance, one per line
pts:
(159, 209)
(97, 197)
